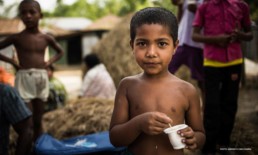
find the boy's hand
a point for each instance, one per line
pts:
(223, 40)
(154, 123)
(47, 64)
(17, 67)
(189, 138)
(236, 34)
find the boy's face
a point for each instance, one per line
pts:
(30, 14)
(153, 48)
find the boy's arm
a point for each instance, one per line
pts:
(219, 40)
(122, 130)
(180, 11)
(194, 120)
(59, 51)
(245, 34)
(3, 44)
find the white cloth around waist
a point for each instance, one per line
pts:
(32, 83)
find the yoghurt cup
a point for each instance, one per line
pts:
(174, 137)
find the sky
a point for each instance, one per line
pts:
(46, 5)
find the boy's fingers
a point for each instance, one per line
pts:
(161, 125)
(187, 134)
(189, 141)
(164, 119)
(192, 147)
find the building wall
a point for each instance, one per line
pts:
(88, 41)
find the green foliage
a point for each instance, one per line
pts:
(253, 4)
(94, 9)
(166, 4)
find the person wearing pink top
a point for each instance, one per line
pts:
(221, 25)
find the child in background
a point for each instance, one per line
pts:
(145, 104)
(57, 92)
(225, 23)
(189, 52)
(31, 77)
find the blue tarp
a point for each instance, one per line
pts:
(88, 144)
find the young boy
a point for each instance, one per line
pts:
(147, 103)
(31, 77)
(57, 92)
(225, 23)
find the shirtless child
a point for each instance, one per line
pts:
(146, 103)
(31, 77)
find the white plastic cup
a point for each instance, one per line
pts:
(174, 137)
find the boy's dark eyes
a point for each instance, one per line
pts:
(162, 44)
(143, 43)
(140, 43)
(32, 12)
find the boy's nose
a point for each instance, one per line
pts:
(151, 52)
(27, 15)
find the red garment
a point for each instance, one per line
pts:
(218, 17)
(6, 77)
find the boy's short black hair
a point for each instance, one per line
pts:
(30, 1)
(91, 60)
(154, 15)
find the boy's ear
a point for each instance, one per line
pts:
(175, 46)
(131, 44)
(41, 15)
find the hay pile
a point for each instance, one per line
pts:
(115, 51)
(83, 116)
(79, 117)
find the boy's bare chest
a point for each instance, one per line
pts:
(31, 43)
(169, 101)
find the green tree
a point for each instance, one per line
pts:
(253, 9)
(94, 9)
(166, 4)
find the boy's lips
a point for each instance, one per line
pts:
(28, 22)
(151, 63)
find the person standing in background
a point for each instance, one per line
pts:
(225, 23)
(31, 79)
(189, 52)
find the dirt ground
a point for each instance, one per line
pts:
(244, 136)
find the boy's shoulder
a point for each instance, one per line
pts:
(182, 84)
(131, 78)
